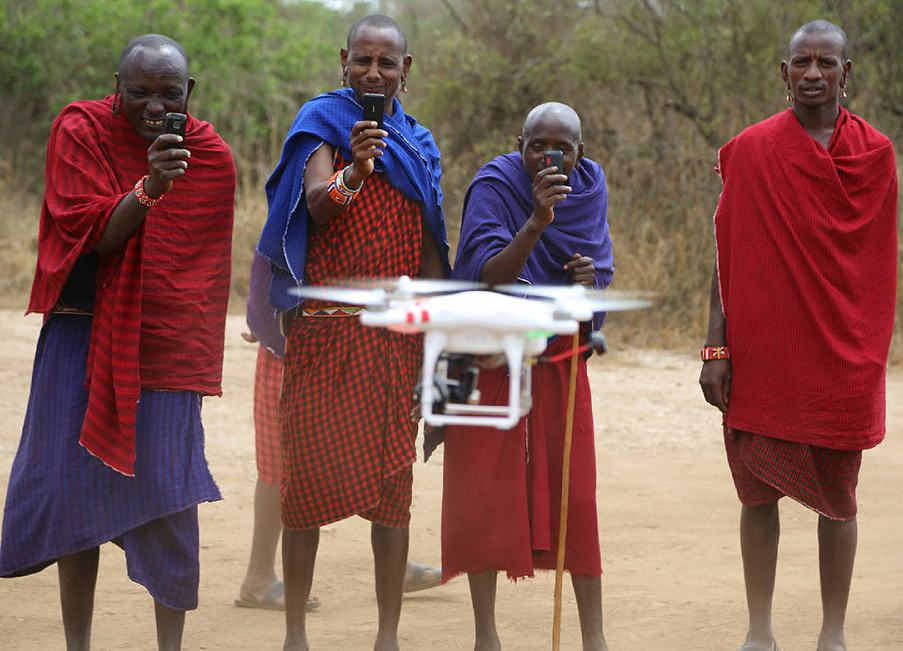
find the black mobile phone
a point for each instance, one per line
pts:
(374, 104)
(553, 158)
(175, 123)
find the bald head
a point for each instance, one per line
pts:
(550, 127)
(553, 114)
(164, 46)
(821, 28)
(378, 21)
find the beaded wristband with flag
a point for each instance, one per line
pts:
(714, 352)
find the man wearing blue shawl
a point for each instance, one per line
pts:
(350, 199)
(525, 222)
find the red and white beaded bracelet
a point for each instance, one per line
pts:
(714, 352)
(143, 198)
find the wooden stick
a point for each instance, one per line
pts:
(565, 485)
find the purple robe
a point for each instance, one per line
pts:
(500, 200)
(263, 318)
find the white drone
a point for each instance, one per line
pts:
(459, 319)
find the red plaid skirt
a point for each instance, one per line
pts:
(347, 393)
(268, 437)
(766, 469)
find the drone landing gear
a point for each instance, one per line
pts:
(455, 400)
(455, 381)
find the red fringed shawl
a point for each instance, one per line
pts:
(160, 307)
(807, 261)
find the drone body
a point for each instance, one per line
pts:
(474, 323)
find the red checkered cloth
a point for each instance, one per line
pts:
(766, 469)
(347, 435)
(268, 438)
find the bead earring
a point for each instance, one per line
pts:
(404, 84)
(344, 76)
(789, 96)
(117, 101)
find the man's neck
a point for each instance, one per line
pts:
(817, 120)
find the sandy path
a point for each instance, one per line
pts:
(668, 522)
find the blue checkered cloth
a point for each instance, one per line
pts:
(61, 500)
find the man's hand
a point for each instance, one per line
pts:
(581, 271)
(366, 140)
(164, 165)
(715, 380)
(247, 336)
(549, 188)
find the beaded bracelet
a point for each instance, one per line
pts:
(709, 353)
(143, 198)
(338, 191)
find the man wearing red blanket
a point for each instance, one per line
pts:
(802, 309)
(133, 278)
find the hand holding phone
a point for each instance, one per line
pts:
(374, 106)
(553, 158)
(175, 123)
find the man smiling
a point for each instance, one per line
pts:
(133, 278)
(802, 311)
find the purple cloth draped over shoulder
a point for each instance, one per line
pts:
(498, 203)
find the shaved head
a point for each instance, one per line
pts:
(553, 113)
(155, 43)
(378, 21)
(821, 27)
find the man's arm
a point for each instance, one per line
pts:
(504, 267)
(715, 377)
(164, 166)
(430, 258)
(365, 142)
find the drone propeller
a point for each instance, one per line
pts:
(410, 287)
(578, 298)
(366, 297)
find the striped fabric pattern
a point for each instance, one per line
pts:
(161, 301)
(62, 500)
(807, 262)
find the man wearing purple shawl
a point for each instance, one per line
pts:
(525, 222)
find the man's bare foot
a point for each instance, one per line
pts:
(595, 643)
(832, 642)
(295, 643)
(386, 642)
(758, 645)
(487, 643)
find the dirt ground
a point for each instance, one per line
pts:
(668, 518)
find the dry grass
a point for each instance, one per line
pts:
(19, 210)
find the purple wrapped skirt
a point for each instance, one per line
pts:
(61, 500)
